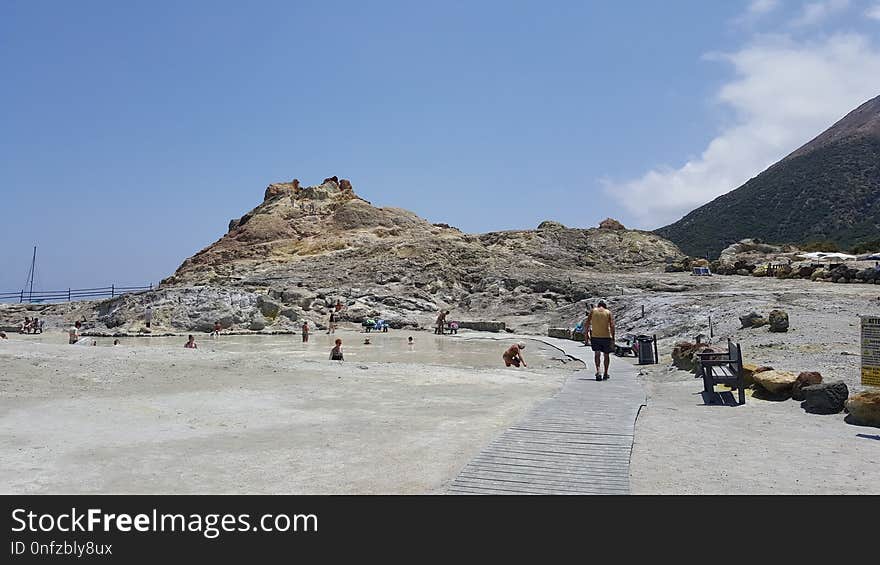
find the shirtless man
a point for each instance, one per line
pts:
(513, 355)
(600, 335)
(441, 322)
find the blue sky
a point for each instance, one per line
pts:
(131, 132)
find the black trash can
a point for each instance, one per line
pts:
(646, 350)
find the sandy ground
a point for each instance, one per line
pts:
(283, 419)
(683, 446)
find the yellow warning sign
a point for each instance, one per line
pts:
(871, 350)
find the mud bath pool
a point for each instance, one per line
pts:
(266, 414)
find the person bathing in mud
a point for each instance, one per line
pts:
(217, 328)
(191, 343)
(513, 355)
(336, 352)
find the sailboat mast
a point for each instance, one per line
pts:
(33, 264)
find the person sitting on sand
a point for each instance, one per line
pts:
(305, 331)
(38, 326)
(25, 326)
(366, 341)
(73, 333)
(217, 328)
(336, 352)
(513, 356)
(191, 343)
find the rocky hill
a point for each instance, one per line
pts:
(303, 248)
(827, 190)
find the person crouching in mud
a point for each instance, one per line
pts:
(513, 356)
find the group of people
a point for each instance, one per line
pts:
(29, 326)
(442, 324)
(598, 334)
(336, 352)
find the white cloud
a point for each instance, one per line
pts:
(785, 92)
(874, 12)
(760, 7)
(816, 12)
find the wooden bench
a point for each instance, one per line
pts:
(722, 368)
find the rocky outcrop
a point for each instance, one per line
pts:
(864, 408)
(611, 224)
(776, 382)
(825, 398)
(807, 378)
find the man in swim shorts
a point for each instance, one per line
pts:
(600, 334)
(513, 355)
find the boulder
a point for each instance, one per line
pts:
(684, 354)
(749, 370)
(268, 307)
(818, 274)
(807, 378)
(345, 185)
(778, 321)
(864, 408)
(775, 382)
(551, 225)
(825, 398)
(258, 322)
(290, 313)
(752, 320)
(611, 224)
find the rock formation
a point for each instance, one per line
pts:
(305, 247)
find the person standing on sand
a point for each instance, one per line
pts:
(441, 322)
(600, 336)
(513, 355)
(336, 352)
(148, 316)
(331, 327)
(305, 331)
(73, 333)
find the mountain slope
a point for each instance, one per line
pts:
(829, 189)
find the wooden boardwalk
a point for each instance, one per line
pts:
(578, 442)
